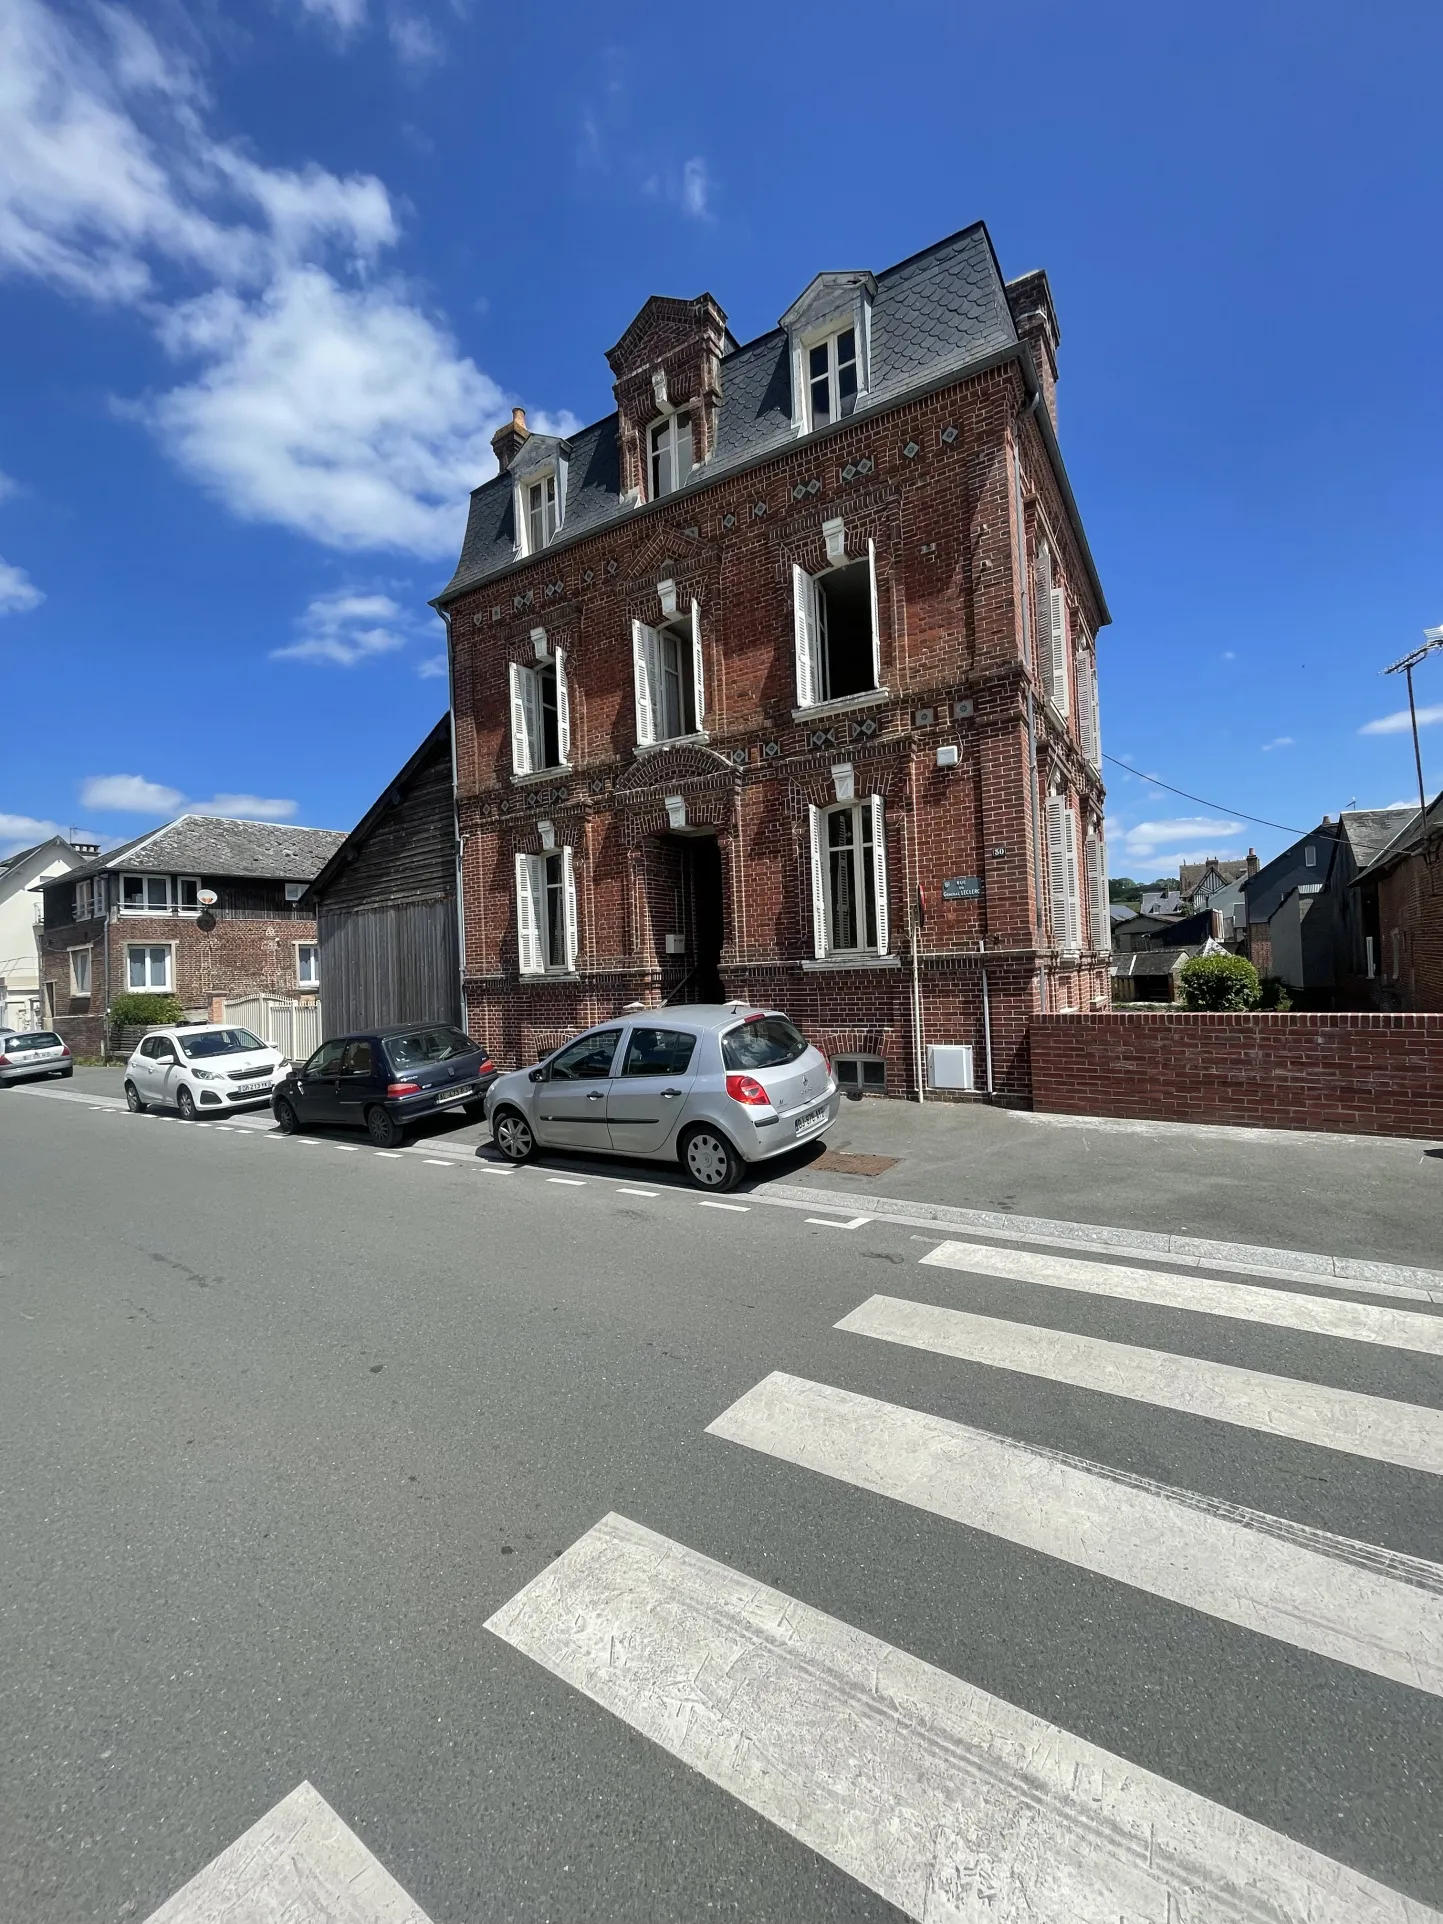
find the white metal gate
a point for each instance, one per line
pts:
(292, 1027)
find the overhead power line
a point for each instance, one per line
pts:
(1202, 800)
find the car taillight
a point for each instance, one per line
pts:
(748, 1090)
(487, 1067)
(403, 1088)
(4, 1062)
(65, 1052)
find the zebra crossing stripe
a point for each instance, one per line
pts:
(1287, 1309)
(948, 1802)
(1406, 1434)
(301, 1863)
(1360, 1605)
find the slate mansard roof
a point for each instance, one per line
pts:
(940, 312)
(215, 845)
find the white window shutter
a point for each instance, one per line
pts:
(876, 630)
(1057, 868)
(804, 599)
(815, 820)
(563, 707)
(1042, 616)
(879, 872)
(697, 689)
(1057, 602)
(528, 916)
(520, 732)
(1074, 886)
(1097, 893)
(1086, 711)
(1094, 710)
(643, 655)
(568, 901)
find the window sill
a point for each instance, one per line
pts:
(552, 975)
(698, 738)
(843, 704)
(853, 962)
(544, 774)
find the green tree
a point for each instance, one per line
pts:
(1219, 982)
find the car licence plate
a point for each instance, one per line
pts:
(813, 1119)
(454, 1095)
(253, 1089)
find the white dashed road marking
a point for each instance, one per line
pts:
(569, 1182)
(830, 1222)
(391, 1155)
(650, 1194)
(705, 1202)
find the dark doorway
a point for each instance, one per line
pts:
(696, 923)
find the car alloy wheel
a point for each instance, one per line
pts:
(132, 1100)
(511, 1133)
(710, 1161)
(185, 1102)
(383, 1128)
(287, 1121)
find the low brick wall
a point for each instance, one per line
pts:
(1376, 1075)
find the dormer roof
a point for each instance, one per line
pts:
(828, 293)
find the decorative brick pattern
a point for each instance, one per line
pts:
(1376, 1075)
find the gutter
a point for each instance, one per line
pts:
(1017, 351)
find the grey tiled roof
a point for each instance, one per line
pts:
(1408, 833)
(940, 311)
(1369, 830)
(215, 845)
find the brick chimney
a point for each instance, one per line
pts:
(1252, 861)
(507, 442)
(1030, 299)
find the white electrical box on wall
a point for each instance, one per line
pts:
(949, 1065)
(676, 945)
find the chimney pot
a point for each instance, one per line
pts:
(507, 442)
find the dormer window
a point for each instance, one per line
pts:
(540, 513)
(671, 463)
(832, 377)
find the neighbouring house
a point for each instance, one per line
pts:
(1142, 931)
(385, 903)
(1400, 896)
(20, 999)
(1229, 905)
(1199, 882)
(134, 919)
(1117, 914)
(1162, 902)
(1305, 920)
(1152, 975)
(798, 640)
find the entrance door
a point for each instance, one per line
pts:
(571, 1103)
(647, 1094)
(698, 873)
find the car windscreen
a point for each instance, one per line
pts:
(219, 1042)
(417, 1047)
(763, 1042)
(41, 1039)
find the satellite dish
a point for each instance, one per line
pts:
(207, 898)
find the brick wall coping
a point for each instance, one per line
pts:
(1292, 1020)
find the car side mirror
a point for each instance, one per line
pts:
(538, 1074)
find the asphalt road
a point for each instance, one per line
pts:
(283, 1423)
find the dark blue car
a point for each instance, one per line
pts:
(383, 1081)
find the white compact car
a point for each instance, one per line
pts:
(202, 1067)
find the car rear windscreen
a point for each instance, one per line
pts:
(417, 1047)
(42, 1039)
(219, 1042)
(766, 1042)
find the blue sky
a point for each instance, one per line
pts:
(272, 272)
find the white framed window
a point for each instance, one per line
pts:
(89, 899)
(1310, 856)
(546, 913)
(149, 965)
(1062, 874)
(669, 451)
(308, 965)
(849, 879)
(540, 715)
(540, 511)
(187, 894)
(80, 971)
(294, 892)
(1098, 914)
(832, 377)
(145, 894)
(838, 646)
(668, 679)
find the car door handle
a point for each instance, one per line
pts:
(596, 1095)
(667, 1095)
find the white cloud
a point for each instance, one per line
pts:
(1183, 838)
(319, 395)
(18, 593)
(432, 667)
(415, 42)
(245, 808)
(1229, 654)
(130, 794)
(8, 486)
(346, 628)
(1401, 722)
(1278, 741)
(24, 831)
(696, 189)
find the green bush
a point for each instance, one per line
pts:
(1273, 994)
(150, 1010)
(1219, 982)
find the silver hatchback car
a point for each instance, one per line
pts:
(713, 1087)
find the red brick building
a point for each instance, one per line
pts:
(779, 683)
(133, 920)
(1401, 894)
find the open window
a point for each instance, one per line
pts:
(832, 377)
(546, 913)
(539, 505)
(837, 642)
(540, 715)
(849, 880)
(669, 682)
(1062, 874)
(669, 451)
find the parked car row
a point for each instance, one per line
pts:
(714, 1088)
